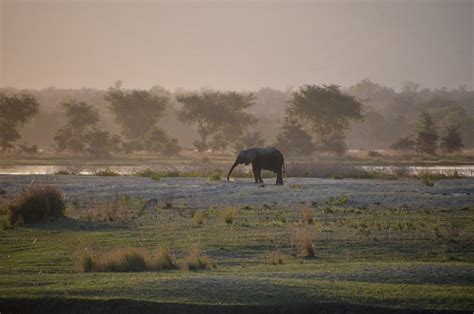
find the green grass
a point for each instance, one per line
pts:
(400, 258)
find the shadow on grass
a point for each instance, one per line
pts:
(118, 306)
(71, 224)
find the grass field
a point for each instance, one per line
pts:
(405, 258)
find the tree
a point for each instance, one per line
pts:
(427, 136)
(157, 141)
(450, 114)
(138, 112)
(80, 118)
(15, 110)
(294, 140)
(250, 139)
(29, 150)
(81, 133)
(99, 143)
(219, 115)
(404, 144)
(327, 111)
(333, 142)
(451, 141)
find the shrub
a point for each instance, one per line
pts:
(196, 261)
(6, 224)
(426, 179)
(162, 260)
(229, 215)
(148, 173)
(374, 154)
(119, 260)
(172, 174)
(36, 204)
(62, 172)
(107, 173)
(305, 243)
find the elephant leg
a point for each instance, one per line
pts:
(279, 178)
(260, 176)
(255, 173)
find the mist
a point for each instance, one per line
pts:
(235, 45)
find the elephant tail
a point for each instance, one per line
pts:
(283, 169)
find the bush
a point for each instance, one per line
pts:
(426, 179)
(120, 260)
(5, 224)
(148, 173)
(107, 173)
(36, 204)
(305, 243)
(196, 261)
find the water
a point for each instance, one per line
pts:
(462, 170)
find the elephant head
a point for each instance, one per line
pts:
(244, 157)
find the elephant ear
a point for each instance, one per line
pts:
(250, 156)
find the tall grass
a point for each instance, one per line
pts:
(119, 260)
(195, 260)
(229, 215)
(305, 243)
(308, 216)
(162, 260)
(138, 260)
(37, 204)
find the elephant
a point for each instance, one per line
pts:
(266, 158)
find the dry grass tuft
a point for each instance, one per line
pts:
(305, 243)
(195, 260)
(229, 215)
(276, 258)
(162, 260)
(198, 218)
(308, 216)
(119, 260)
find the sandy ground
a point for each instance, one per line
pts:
(202, 193)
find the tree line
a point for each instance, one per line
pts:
(315, 118)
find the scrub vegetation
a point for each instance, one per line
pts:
(412, 258)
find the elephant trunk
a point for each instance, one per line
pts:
(232, 168)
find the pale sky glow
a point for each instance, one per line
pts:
(235, 45)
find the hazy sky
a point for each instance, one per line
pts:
(235, 45)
